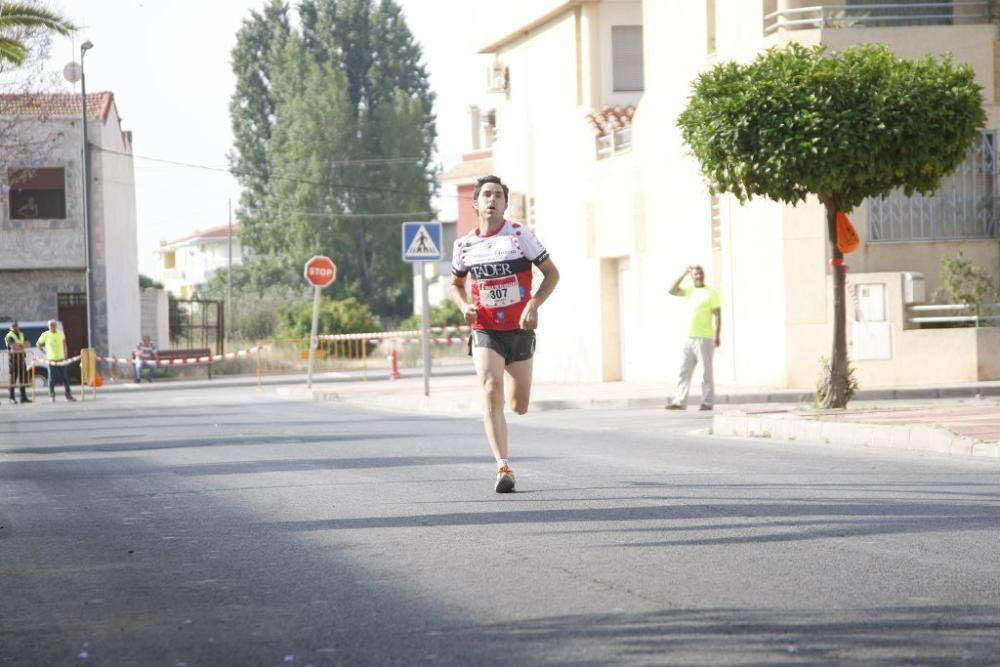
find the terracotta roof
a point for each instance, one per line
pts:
(56, 104)
(609, 119)
(220, 232)
(468, 171)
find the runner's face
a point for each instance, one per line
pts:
(699, 277)
(491, 203)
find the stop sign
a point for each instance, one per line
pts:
(321, 271)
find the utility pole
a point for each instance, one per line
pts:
(229, 270)
(86, 46)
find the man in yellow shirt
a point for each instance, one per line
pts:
(703, 337)
(54, 344)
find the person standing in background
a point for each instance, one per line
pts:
(705, 305)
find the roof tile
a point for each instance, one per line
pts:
(56, 104)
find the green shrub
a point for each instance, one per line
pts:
(966, 283)
(445, 314)
(335, 317)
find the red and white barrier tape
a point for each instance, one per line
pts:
(42, 361)
(39, 361)
(379, 336)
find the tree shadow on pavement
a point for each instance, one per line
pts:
(917, 635)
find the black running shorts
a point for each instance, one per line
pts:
(517, 345)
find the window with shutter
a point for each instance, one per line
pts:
(626, 56)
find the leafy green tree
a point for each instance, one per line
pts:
(262, 287)
(18, 20)
(347, 137)
(147, 282)
(335, 317)
(257, 61)
(842, 126)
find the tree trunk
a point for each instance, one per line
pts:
(836, 384)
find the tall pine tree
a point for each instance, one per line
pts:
(346, 136)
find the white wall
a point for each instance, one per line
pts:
(117, 213)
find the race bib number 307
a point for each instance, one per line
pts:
(499, 292)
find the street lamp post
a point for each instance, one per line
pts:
(86, 46)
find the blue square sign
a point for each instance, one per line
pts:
(422, 242)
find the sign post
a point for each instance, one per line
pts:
(320, 271)
(421, 244)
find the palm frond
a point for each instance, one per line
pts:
(17, 15)
(12, 51)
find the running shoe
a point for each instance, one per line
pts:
(505, 480)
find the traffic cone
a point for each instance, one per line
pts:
(394, 368)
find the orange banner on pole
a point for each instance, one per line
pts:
(847, 237)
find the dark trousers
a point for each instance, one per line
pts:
(58, 371)
(18, 374)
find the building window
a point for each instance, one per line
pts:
(37, 194)
(72, 299)
(626, 57)
(964, 207)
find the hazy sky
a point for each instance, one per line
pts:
(167, 62)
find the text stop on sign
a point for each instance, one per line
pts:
(320, 271)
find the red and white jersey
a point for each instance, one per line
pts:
(500, 266)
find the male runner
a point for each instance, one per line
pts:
(503, 313)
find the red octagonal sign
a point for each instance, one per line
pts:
(321, 271)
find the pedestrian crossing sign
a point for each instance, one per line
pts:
(421, 241)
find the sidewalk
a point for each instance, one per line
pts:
(957, 419)
(954, 419)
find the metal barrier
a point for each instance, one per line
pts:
(13, 381)
(362, 352)
(953, 314)
(878, 15)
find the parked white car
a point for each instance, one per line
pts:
(31, 329)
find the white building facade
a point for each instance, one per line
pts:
(186, 265)
(622, 207)
(42, 242)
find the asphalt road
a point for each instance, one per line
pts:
(231, 527)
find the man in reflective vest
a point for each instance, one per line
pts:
(14, 340)
(54, 344)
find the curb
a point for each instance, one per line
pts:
(789, 427)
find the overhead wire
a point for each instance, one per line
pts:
(353, 186)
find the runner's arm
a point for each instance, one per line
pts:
(550, 278)
(458, 296)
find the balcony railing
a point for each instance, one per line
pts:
(893, 14)
(613, 143)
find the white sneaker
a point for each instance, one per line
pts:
(505, 480)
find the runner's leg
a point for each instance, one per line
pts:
(519, 385)
(490, 369)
